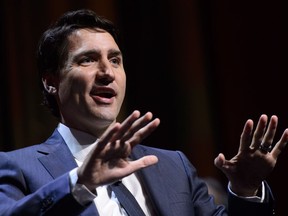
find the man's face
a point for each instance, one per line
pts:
(91, 85)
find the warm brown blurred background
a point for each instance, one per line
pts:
(203, 67)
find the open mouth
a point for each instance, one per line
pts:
(103, 94)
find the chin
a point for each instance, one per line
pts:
(106, 117)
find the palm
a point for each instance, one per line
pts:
(109, 160)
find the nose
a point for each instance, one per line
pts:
(105, 73)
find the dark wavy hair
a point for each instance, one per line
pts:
(52, 48)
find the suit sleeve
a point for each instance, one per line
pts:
(50, 199)
(203, 202)
(238, 206)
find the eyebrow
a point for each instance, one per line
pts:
(114, 52)
(111, 52)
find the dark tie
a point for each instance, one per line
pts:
(127, 200)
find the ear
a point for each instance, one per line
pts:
(49, 83)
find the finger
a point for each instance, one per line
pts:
(219, 161)
(144, 132)
(134, 166)
(137, 125)
(143, 162)
(259, 131)
(121, 170)
(125, 125)
(107, 136)
(280, 145)
(270, 133)
(245, 138)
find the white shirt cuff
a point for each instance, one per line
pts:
(80, 192)
(251, 198)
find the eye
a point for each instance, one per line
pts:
(85, 61)
(115, 61)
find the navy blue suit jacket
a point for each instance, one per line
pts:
(35, 181)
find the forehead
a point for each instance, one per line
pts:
(91, 38)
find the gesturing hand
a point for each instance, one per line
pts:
(256, 157)
(108, 161)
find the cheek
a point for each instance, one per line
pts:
(73, 86)
(122, 85)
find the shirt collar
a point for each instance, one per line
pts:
(78, 142)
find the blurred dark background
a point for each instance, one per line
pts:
(203, 67)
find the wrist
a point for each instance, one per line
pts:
(243, 191)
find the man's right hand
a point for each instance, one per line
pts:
(108, 161)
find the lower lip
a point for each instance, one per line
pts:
(103, 100)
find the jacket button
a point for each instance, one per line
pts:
(46, 203)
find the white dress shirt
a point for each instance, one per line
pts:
(80, 144)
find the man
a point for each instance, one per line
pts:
(91, 159)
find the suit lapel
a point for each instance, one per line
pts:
(56, 156)
(154, 184)
(57, 160)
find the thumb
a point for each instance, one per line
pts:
(143, 162)
(219, 161)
